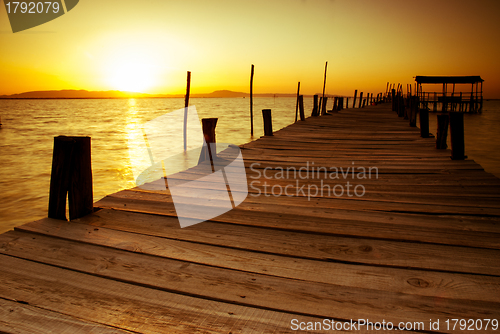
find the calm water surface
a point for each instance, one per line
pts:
(29, 126)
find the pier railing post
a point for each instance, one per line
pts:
(208, 126)
(360, 99)
(442, 131)
(354, 101)
(268, 122)
(457, 136)
(72, 177)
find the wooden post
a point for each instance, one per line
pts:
(340, 103)
(413, 110)
(208, 127)
(186, 105)
(72, 176)
(335, 104)
(324, 86)
(315, 106)
(360, 99)
(424, 123)
(393, 100)
(268, 122)
(354, 102)
(442, 131)
(364, 101)
(320, 104)
(457, 136)
(297, 103)
(251, 100)
(323, 105)
(301, 108)
(347, 102)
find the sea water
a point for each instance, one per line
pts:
(29, 128)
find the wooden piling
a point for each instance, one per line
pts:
(393, 100)
(324, 86)
(424, 123)
(208, 127)
(335, 104)
(297, 103)
(347, 102)
(360, 99)
(413, 110)
(72, 177)
(323, 105)
(301, 108)
(268, 122)
(442, 131)
(186, 105)
(251, 100)
(457, 136)
(315, 106)
(354, 101)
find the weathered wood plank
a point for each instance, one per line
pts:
(130, 307)
(21, 318)
(255, 214)
(424, 283)
(262, 291)
(306, 245)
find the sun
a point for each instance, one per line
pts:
(132, 71)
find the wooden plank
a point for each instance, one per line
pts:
(306, 245)
(20, 318)
(255, 215)
(261, 291)
(130, 307)
(424, 283)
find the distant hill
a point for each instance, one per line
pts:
(115, 94)
(74, 94)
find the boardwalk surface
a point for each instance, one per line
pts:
(417, 243)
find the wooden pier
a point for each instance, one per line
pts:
(421, 244)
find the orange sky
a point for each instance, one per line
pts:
(149, 45)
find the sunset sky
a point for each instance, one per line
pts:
(148, 46)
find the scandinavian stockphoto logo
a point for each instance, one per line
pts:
(170, 153)
(28, 14)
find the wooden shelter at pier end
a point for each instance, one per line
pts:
(458, 93)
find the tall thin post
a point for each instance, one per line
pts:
(360, 99)
(251, 101)
(297, 103)
(324, 81)
(186, 105)
(354, 102)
